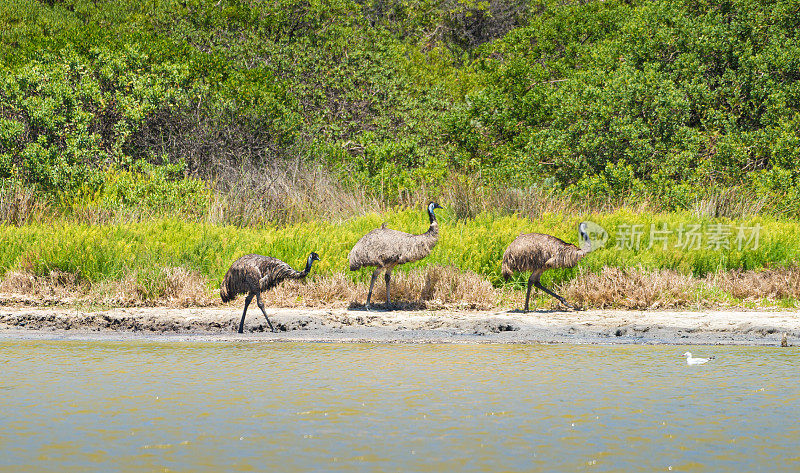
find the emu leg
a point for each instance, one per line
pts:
(540, 286)
(372, 283)
(263, 311)
(246, 303)
(387, 277)
(528, 293)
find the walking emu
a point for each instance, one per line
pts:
(252, 274)
(537, 252)
(386, 248)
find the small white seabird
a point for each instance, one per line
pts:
(696, 361)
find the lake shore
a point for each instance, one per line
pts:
(734, 327)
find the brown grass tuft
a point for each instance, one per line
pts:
(20, 205)
(178, 287)
(434, 287)
(55, 286)
(184, 288)
(770, 284)
(285, 193)
(440, 286)
(15, 282)
(431, 287)
(631, 289)
(733, 202)
(468, 197)
(125, 292)
(327, 291)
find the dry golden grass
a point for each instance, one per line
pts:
(16, 282)
(770, 284)
(285, 194)
(631, 289)
(20, 205)
(125, 292)
(55, 286)
(434, 287)
(440, 286)
(180, 288)
(296, 192)
(328, 291)
(468, 197)
(184, 288)
(732, 202)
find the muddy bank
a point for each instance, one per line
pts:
(671, 327)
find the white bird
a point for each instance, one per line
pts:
(696, 361)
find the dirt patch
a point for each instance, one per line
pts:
(598, 326)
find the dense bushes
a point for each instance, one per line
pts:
(669, 102)
(610, 98)
(70, 115)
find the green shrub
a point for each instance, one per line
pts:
(617, 101)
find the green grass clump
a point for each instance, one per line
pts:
(109, 252)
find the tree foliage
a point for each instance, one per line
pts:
(601, 99)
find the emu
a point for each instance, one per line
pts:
(386, 248)
(252, 274)
(538, 252)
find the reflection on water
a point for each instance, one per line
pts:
(75, 406)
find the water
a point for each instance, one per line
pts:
(90, 406)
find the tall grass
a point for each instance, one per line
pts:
(282, 195)
(20, 205)
(289, 192)
(101, 252)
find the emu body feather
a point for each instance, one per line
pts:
(252, 274)
(538, 252)
(385, 248)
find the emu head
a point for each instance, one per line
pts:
(312, 257)
(431, 207)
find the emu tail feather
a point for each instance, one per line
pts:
(506, 270)
(224, 292)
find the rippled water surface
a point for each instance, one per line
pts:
(80, 406)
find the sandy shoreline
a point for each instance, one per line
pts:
(397, 326)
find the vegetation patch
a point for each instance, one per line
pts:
(214, 107)
(182, 263)
(144, 146)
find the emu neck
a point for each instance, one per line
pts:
(434, 228)
(434, 224)
(306, 270)
(586, 245)
(432, 217)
